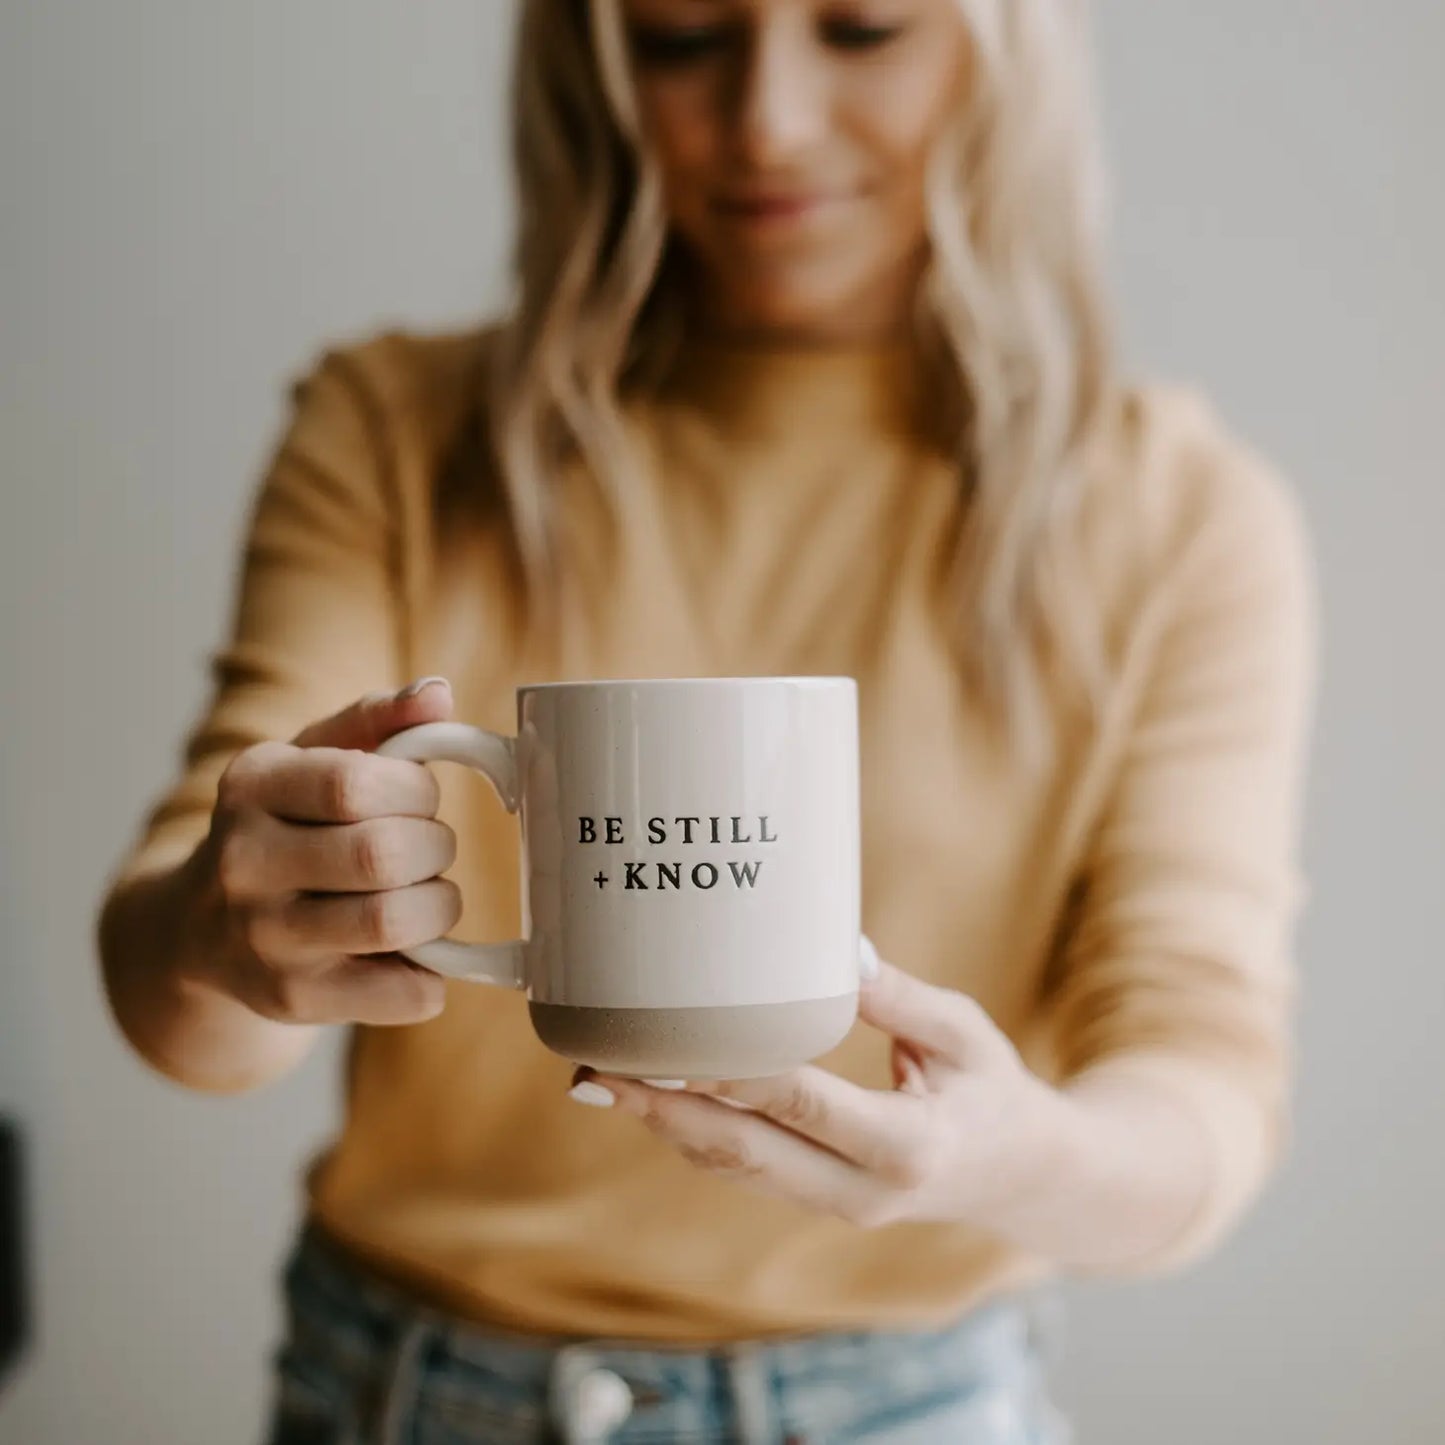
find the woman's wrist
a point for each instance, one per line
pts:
(164, 952)
(194, 913)
(1046, 1136)
(1105, 1172)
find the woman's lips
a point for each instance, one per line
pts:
(779, 215)
(770, 207)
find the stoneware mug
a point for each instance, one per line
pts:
(690, 870)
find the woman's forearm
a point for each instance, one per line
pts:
(160, 942)
(1118, 1173)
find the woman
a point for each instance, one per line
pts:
(808, 373)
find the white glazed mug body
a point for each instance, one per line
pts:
(690, 869)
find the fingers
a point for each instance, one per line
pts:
(334, 958)
(372, 719)
(940, 1020)
(316, 916)
(270, 857)
(385, 992)
(356, 923)
(378, 991)
(329, 774)
(753, 1150)
(877, 1131)
(327, 785)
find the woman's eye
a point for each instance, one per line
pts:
(664, 45)
(854, 35)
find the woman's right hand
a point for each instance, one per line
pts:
(322, 861)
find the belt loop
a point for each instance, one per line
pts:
(400, 1388)
(748, 1381)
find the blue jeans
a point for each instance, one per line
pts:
(364, 1365)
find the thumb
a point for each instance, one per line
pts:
(370, 720)
(930, 1018)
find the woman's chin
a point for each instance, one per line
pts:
(794, 315)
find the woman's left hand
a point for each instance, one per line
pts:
(966, 1134)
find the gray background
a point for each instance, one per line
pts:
(195, 196)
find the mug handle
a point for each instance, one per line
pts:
(495, 757)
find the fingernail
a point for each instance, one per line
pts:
(594, 1094)
(867, 959)
(666, 1083)
(414, 689)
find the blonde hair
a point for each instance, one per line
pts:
(1011, 316)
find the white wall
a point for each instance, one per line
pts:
(194, 196)
(1281, 235)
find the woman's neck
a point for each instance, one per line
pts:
(770, 382)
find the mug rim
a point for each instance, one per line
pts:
(662, 684)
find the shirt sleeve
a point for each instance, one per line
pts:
(315, 620)
(1176, 968)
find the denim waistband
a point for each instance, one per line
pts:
(395, 1351)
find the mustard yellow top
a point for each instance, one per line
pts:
(1128, 907)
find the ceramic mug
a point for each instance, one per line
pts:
(690, 871)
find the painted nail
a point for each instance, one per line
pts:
(594, 1094)
(867, 959)
(413, 689)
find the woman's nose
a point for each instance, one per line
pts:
(781, 106)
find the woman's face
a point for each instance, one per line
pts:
(793, 138)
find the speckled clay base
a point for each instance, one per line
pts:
(721, 1042)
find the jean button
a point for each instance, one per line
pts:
(603, 1403)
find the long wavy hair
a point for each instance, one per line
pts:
(1010, 317)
